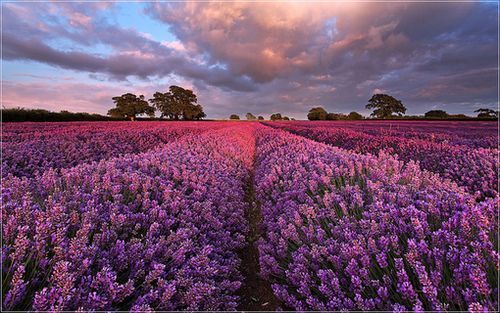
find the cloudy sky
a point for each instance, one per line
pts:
(252, 57)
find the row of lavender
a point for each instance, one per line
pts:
(474, 168)
(153, 231)
(344, 231)
(29, 131)
(31, 148)
(473, 134)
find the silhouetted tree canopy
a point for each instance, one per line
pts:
(234, 117)
(286, 118)
(486, 113)
(335, 116)
(354, 116)
(129, 106)
(176, 103)
(250, 116)
(385, 106)
(276, 117)
(260, 118)
(436, 114)
(317, 114)
(194, 112)
(459, 116)
(40, 115)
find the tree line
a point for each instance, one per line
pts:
(175, 104)
(41, 115)
(182, 104)
(387, 107)
(320, 114)
(274, 117)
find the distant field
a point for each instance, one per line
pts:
(344, 215)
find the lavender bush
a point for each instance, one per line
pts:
(472, 134)
(351, 232)
(474, 168)
(30, 148)
(154, 231)
(151, 216)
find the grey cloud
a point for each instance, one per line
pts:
(401, 47)
(288, 57)
(135, 54)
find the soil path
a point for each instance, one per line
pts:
(255, 293)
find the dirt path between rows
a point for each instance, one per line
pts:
(255, 293)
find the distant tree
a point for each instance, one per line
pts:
(486, 113)
(250, 116)
(335, 116)
(260, 118)
(436, 114)
(385, 106)
(129, 106)
(292, 119)
(178, 102)
(461, 116)
(317, 114)
(354, 116)
(276, 117)
(234, 117)
(286, 118)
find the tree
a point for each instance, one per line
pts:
(385, 106)
(234, 117)
(354, 116)
(335, 116)
(276, 117)
(193, 112)
(436, 114)
(178, 102)
(286, 118)
(461, 116)
(260, 118)
(129, 106)
(316, 114)
(486, 113)
(250, 116)
(162, 102)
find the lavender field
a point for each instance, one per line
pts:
(306, 216)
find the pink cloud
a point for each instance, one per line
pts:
(57, 96)
(78, 19)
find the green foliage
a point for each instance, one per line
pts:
(317, 114)
(354, 116)
(129, 106)
(234, 117)
(486, 113)
(385, 106)
(176, 103)
(335, 116)
(250, 116)
(193, 112)
(40, 115)
(436, 114)
(276, 117)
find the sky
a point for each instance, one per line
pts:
(259, 57)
